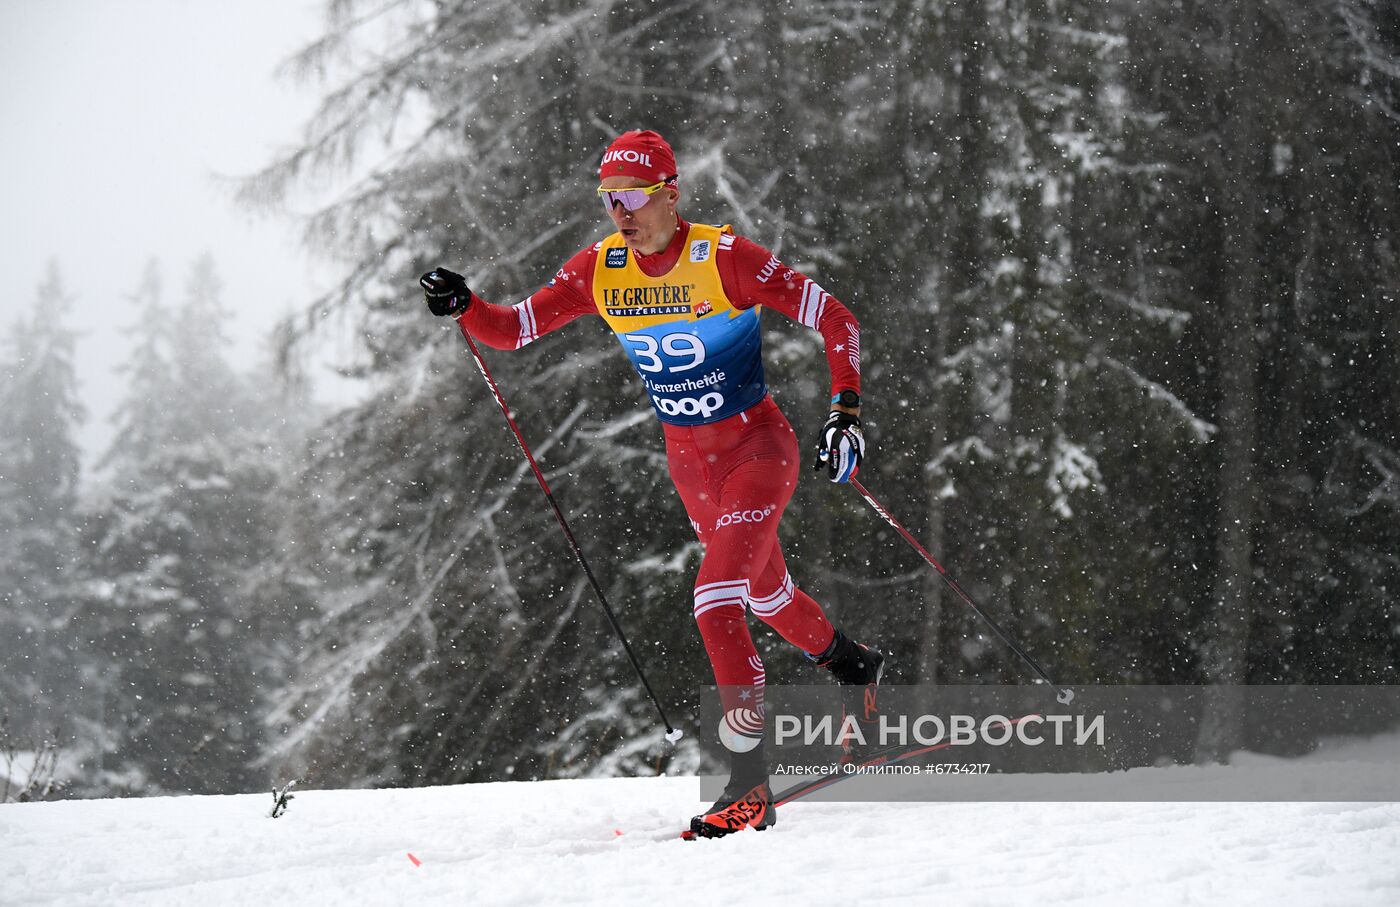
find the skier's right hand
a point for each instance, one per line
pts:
(446, 292)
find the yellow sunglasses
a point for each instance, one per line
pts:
(631, 199)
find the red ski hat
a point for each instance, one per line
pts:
(640, 153)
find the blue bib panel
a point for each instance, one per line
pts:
(700, 358)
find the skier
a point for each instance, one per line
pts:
(683, 299)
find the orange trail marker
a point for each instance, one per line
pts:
(416, 861)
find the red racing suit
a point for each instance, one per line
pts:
(688, 318)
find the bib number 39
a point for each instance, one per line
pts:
(679, 346)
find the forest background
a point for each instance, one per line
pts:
(1127, 274)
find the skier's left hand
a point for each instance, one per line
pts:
(840, 447)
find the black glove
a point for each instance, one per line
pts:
(446, 292)
(840, 447)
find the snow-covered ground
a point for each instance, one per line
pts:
(614, 842)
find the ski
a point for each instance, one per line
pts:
(891, 755)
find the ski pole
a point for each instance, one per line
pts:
(1065, 694)
(672, 734)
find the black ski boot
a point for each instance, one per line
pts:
(858, 668)
(747, 801)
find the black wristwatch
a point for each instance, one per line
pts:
(847, 398)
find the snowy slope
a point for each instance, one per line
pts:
(556, 842)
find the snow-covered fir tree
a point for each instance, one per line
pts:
(178, 537)
(40, 570)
